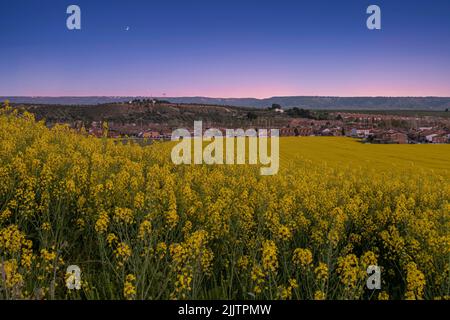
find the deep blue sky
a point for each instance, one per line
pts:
(225, 48)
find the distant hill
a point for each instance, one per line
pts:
(345, 103)
(306, 102)
(68, 100)
(140, 115)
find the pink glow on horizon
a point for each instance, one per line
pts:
(259, 92)
(247, 81)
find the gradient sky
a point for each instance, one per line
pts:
(232, 48)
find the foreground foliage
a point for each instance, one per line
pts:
(141, 228)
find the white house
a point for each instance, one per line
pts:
(361, 133)
(430, 137)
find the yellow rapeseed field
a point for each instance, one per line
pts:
(140, 227)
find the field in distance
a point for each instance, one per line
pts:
(348, 152)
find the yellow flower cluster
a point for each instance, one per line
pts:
(269, 256)
(415, 280)
(302, 257)
(123, 215)
(50, 261)
(321, 272)
(111, 239)
(122, 253)
(144, 229)
(5, 214)
(101, 225)
(10, 274)
(11, 239)
(348, 270)
(319, 295)
(46, 226)
(285, 292)
(129, 289)
(258, 278)
(161, 250)
(48, 256)
(190, 258)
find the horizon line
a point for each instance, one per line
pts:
(210, 97)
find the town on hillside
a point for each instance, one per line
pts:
(151, 119)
